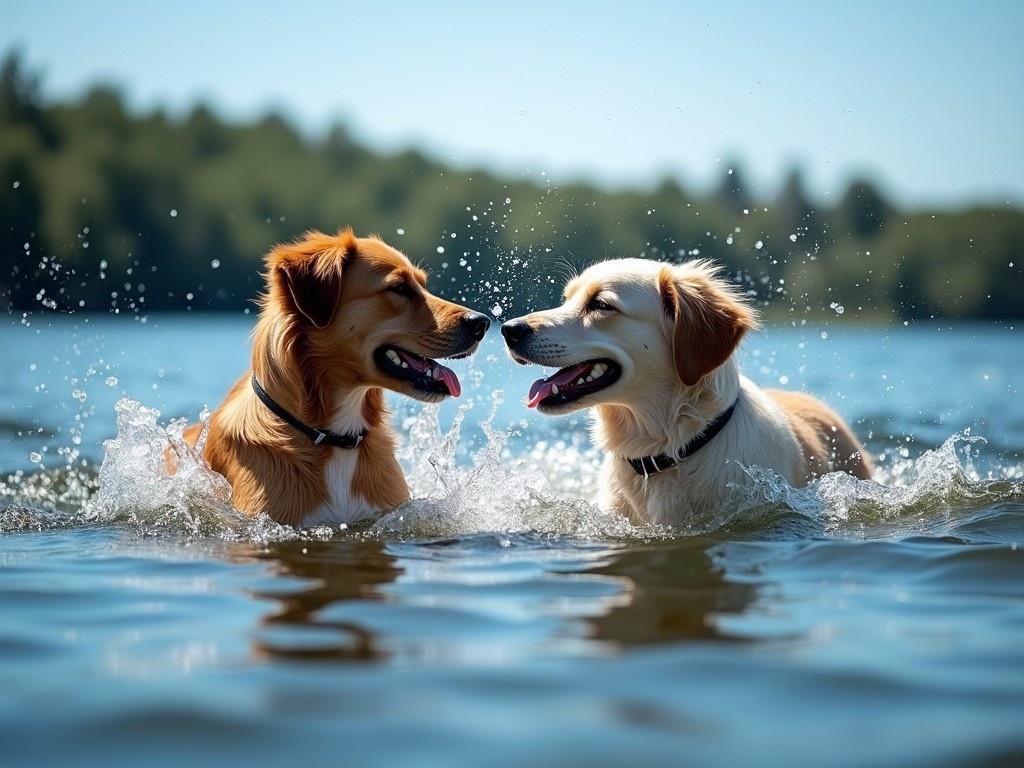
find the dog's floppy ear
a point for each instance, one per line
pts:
(307, 274)
(708, 318)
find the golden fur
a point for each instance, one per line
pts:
(828, 444)
(330, 301)
(672, 330)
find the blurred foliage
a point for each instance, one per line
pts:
(104, 209)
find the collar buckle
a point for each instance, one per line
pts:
(317, 436)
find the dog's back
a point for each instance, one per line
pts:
(828, 444)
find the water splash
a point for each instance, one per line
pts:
(507, 487)
(537, 492)
(135, 487)
(135, 490)
(37, 501)
(933, 493)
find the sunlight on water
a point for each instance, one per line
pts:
(544, 488)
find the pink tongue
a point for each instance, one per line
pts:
(450, 380)
(448, 376)
(542, 387)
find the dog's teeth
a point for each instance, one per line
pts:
(599, 370)
(579, 380)
(590, 378)
(393, 357)
(405, 364)
(554, 389)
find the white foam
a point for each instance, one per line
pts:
(544, 487)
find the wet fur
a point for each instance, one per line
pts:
(327, 307)
(674, 334)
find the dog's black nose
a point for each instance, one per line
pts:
(515, 331)
(476, 325)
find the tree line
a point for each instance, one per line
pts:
(103, 209)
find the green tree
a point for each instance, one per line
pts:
(863, 212)
(793, 209)
(139, 212)
(732, 191)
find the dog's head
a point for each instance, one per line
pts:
(360, 313)
(628, 329)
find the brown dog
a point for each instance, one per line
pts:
(304, 435)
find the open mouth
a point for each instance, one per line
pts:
(426, 375)
(573, 382)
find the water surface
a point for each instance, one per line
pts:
(501, 618)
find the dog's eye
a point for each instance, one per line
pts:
(402, 289)
(596, 305)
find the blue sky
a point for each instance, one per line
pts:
(928, 97)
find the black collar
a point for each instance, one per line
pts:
(318, 436)
(651, 465)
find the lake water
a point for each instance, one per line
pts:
(501, 619)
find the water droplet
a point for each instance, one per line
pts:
(111, 381)
(35, 457)
(400, 231)
(759, 244)
(16, 184)
(440, 249)
(79, 395)
(215, 264)
(496, 310)
(174, 213)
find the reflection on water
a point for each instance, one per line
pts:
(677, 592)
(619, 595)
(332, 572)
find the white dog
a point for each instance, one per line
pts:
(649, 346)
